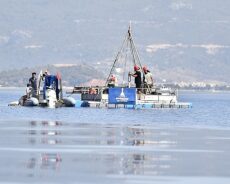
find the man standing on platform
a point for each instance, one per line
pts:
(147, 80)
(137, 76)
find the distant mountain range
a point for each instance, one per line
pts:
(179, 40)
(71, 75)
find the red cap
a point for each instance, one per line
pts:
(145, 69)
(136, 68)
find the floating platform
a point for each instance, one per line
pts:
(94, 104)
(128, 98)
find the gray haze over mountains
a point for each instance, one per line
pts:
(180, 40)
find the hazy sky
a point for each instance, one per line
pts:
(40, 32)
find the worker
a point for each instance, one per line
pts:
(137, 76)
(46, 73)
(92, 91)
(147, 79)
(112, 81)
(28, 91)
(33, 84)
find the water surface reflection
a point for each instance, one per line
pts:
(89, 152)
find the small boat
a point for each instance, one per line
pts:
(49, 94)
(124, 94)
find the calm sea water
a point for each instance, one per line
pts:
(71, 145)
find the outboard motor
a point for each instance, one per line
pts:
(51, 98)
(51, 91)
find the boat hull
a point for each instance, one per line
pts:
(31, 102)
(69, 101)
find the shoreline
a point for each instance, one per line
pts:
(180, 90)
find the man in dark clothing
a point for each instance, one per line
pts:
(33, 84)
(137, 76)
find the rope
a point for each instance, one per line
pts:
(125, 64)
(117, 58)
